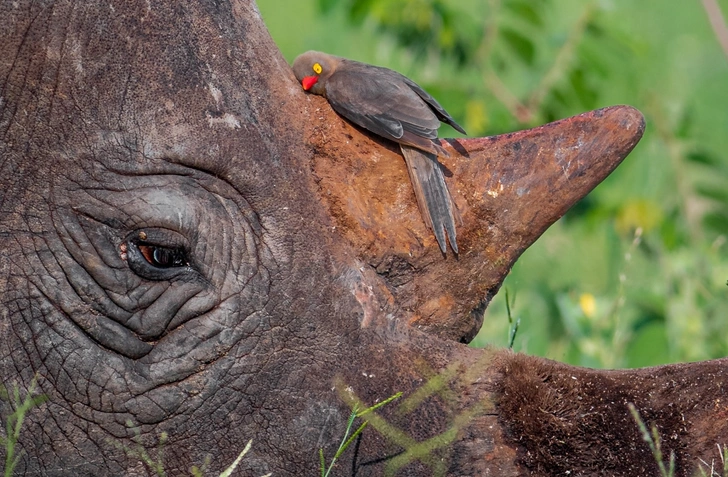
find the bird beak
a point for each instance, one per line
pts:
(309, 81)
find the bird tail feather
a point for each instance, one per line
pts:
(433, 197)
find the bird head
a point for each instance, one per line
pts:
(313, 68)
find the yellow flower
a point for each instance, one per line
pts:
(588, 304)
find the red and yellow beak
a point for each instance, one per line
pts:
(309, 81)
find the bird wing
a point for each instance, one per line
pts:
(382, 101)
(439, 111)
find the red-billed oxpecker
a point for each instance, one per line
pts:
(396, 108)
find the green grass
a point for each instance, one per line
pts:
(432, 452)
(710, 470)
(21, 405)
(654, 442)
(153, 459)
(349, 437)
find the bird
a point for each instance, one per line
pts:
(394, 107)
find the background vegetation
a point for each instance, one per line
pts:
(635, 274)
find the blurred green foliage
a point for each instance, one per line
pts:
(635, 274)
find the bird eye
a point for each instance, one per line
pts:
(317, 68)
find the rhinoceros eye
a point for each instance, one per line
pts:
(156, 254)
(163, 257)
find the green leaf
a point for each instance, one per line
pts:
(527, 12)
(521, 45)
(704, 157)
(715, 192)
(717, 220)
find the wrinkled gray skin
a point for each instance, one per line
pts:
(123, 130)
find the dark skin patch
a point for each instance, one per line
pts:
(577, 421)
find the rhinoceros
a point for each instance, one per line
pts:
(195, 254)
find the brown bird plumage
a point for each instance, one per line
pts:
(396, 108)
